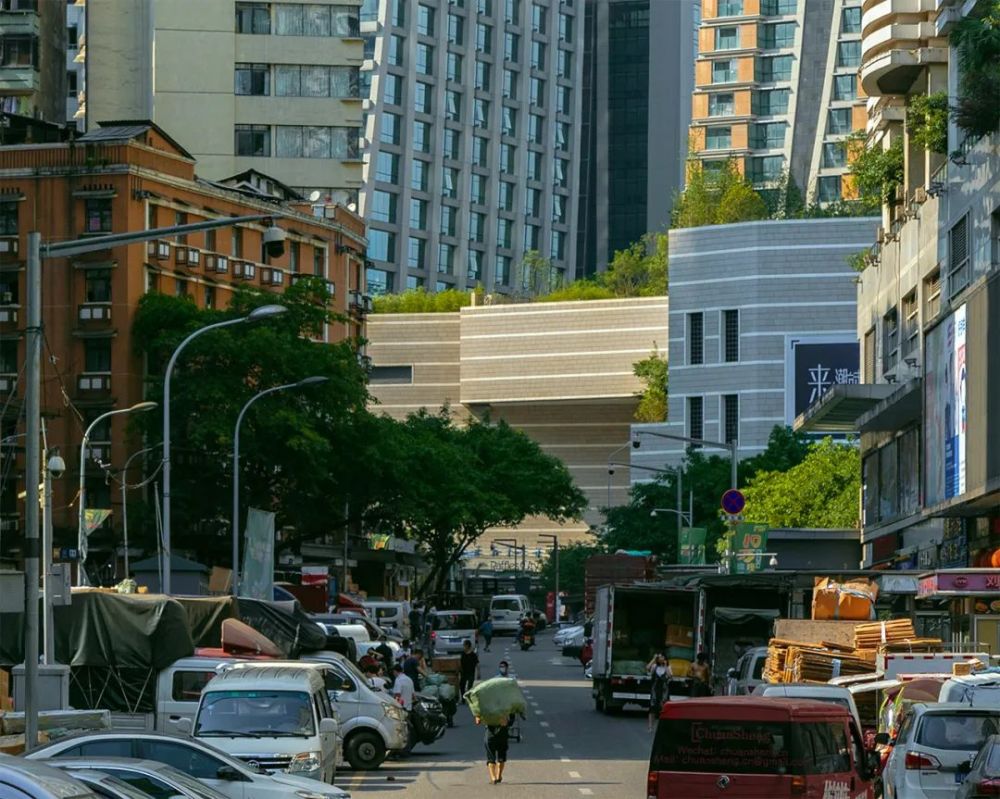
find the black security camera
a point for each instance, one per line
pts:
(274, 241)
(635, 443)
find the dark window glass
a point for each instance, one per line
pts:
(696, 417)
(731, 323)
(253, 140)
(731, 411)
(98, 215)
(198, 764)
(98, 285)
(253, 18)
(696, 338)
(8, 219)
(253, 79)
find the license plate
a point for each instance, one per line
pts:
(960, 777)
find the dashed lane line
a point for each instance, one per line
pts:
(574, 775)
(550, 735)
(586, 791)
(558, 746)
(543, 724)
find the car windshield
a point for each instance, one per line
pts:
(758, 668)
(454, 621)
(164, 775)
(505, 604)
(255, 714)
(957, 730)
(108, 785)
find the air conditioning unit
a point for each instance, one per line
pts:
(880, 235)
(920, 194)
(221, 264)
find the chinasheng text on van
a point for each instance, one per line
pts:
(742, 747)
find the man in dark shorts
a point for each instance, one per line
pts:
(497, 741)
(469, 670)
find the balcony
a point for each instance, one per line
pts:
(89, 312)
(245, 270)
(93, 383)
(219, 264)
(189, 257)
(271, 276)
(159, 249)
(19, 23)
(19, 79)
(359, 303)
(897, 44)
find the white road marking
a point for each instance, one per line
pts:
(539, 713)
(543, 724)
(575, 775)
(565, 760)
(586, 791)
(550, 734)
(558, 746)
(534, 704)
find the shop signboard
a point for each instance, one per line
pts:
(814, 365)
(750, 544)
(945, 409)
(691, 546)
(958, 582)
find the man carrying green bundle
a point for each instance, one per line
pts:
(497, 742)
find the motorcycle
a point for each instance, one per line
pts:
(527, 641)
(427, 722)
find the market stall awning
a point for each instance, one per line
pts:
(839, 409)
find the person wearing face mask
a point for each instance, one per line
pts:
(503, 670)
(659, 691)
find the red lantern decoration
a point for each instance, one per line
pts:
(995, 559)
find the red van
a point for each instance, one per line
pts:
(746, 747)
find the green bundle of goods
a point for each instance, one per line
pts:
(496, 700)
(628, 668)
(431, 690)
(448, 692)
(435, 679)
(680, 652)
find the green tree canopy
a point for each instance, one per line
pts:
(717, 197)
(821, 491)
(976, 38)
(877, 171)
(572, 567)
(420, 301)
(653, 404)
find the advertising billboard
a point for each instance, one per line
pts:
(814, 365)
(945, 409)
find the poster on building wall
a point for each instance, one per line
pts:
(814, 365)
(257, 580)
(945, 414)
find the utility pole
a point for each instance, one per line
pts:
(33, 414)
(347, 532)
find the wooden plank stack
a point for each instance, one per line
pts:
(806, 664)
(876, 633)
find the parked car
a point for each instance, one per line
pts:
(934, 741)
(28, 780)
(983, 778)
(354, 617)
(821, 693)
(390, 614)
(227, 774)
(748, 672)
(450, 629)
(106, 786)
(158, 780)
(506, 611)
(567, 634)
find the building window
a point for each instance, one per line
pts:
(721, 105)
(383, 207)
(236, 242)
(719, 138)
(769, 135)
(890, 340)
(958, 256)
(474, 272)
(97, 355)
(731, 415)
(564, 64)
(311, 141)
(932, 295)
(392, 94)
(381, 245)
(512, 11)
(532, 202)
(253, 79)
(771, 69)
(696, 338)
(731, 331)
(509, 84)
(418, 177)
(369, 10)
(447, 220)
(209, 297)
(564, 101)
(484, 38)
(456, 30)
(484, 8)
(504, 233)
(296, 19)
(511, 46)
(481, 113)
(477, 227)
(421, 98)
(724, 71)
(453, 67)
(292, 80)
(418, 214)
(565, 28)
(253, 18)
(97, 213)
(425, 59)
(450, 142)
(505, 196)
(778, 8)
(483, 70)
(849, 54)
(851, 20)
(446, 258)
(398, 13)
(536, 94)
(478, 189)
(557, 250)
(538, 15)
(558, 209)
(829, 189)
(502, 277)
(397, 50)
(532, 237)
(845, 87)
(18, 51)
(535, 167)
(766, 168)
(8, 218)
(180, 287)
(421, 137)
(319, 261)
(416, 251)
(480, 151)
(389, 132)
(771, 102)
(508, 121)
(379, 281)
(452, 105)
(538, 55)
(696, 417)
(777, 35)
(911, 323)
(727, 38)
(97, 285)
(839, 121)
(449, 182)
(562, 136)
(730, 8)
(834, 155)
(508, 159)
(425, 20)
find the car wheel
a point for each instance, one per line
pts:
(364, 750)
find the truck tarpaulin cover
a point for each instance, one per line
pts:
(291, 630)
(205, 615)
(745, 615)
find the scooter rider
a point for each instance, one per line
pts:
(527, 628)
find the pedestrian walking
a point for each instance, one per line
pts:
(659, 690)
(384, 651)
(414, 668)
(403, 688)
(497, 743)
(486, 630)
(701, 676)
(469, 672)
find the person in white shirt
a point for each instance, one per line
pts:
(402, 688)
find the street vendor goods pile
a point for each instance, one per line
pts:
(822, 650)
(852, 600)
(496, 700)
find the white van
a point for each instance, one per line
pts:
(976, 690)
(372, 723)
(276, 716)
(390, 614)
(821, 693)
(506, 611)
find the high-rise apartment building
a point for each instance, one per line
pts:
(76, 54)
(473, 156)
(638, 76)
(269, 86)
(32, 59)
(776, 89)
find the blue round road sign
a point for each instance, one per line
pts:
(733, 502)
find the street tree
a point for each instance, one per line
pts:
(821, 491)
(652, 371)
(572, 567)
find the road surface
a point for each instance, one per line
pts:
(568, 750)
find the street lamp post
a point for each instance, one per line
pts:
(682, 516)
(308, 381)
(81, 529)
(555, 553)
(257, 314)
(125, 488)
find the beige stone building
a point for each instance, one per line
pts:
(269, 86)
(561, 372)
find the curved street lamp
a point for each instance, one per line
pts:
(305, 382)
(81, 532)
(256, 315)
